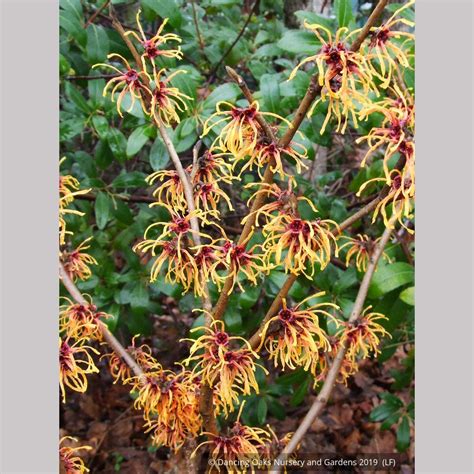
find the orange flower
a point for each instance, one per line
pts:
(79, 321)
(240, 134)
(167, 101)
(284, 201)
(170, 404)
(363, 335)
(152, 47)
(238, 260)
(385, 51)
(130, 80)
(231, 371)
(71, 462)
(396, 131)
(77, 262)
(293, 337)
(293, 242)
(400, 196)
(241, 443)
(361, 248)
(75, 363)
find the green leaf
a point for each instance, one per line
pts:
(70, 128)
(248, 298)
(137, 140)
(97, 44)
(228, 92)
(300, 392)
(262, 409)
(344, 13)
(134, 179)
(159, 157)
(139, 297)
(77, 98)
(391, 400)
(233, 319)
(390, 277)
(118, 144)
(314, 18)
(165, 9)
(102, 209)
(276, 409)
(403, 434)
(382, 412)
(300, 42)
(408, 296)
(101, 126)
(270, 92)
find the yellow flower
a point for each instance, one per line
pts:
(363, 336)
(130, 80)
(360, 248)
(166, 101)
(400, 196)
(382, 47)
(238, 260)
(208, 195)
(71, 462)
(240, 134)
(171, 192)
(120, 370)
(170, 404)
(284, 201)
(75, 363)
(68, 189)
(344, 75)
(211, 167)
(240, 443)
(396, 130)
(230, 371)
(294, 337)
(77, 262)
(265, 153)
(79, 321)
(302, 241)
(152, 47)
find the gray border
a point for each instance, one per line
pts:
(29, 183)
(444, 368)
(29, 175)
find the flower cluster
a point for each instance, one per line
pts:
(294, 337)
(241, 447)
(70, 461)
(350, 79)
(231, 370)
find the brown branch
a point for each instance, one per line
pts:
(96, 13)
(90, 78)
(331, 378)
(213, 72)
(313, 90)
(275, 306)
(206, 399)
(196, 25)
(108, 336)
(364, 32)
(92, 197)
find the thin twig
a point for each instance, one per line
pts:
(330, 380)
(206, 402)
(276, 304)
(96, 13)
(92, 197)
(108, 336)
(90, 78)
(213, 72)
(196, 25)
